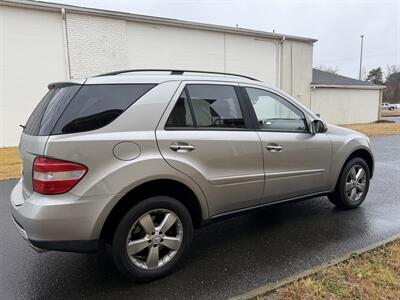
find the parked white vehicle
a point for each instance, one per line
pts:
(391, 106)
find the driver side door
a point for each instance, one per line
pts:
(296, 162)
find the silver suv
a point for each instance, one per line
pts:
(134, 160)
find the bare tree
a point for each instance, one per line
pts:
(392, 90)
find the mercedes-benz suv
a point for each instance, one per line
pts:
(134, 160)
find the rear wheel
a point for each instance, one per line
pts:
(352, 186)
(152, 238)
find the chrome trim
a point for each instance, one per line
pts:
(279, 175)
(238, 179)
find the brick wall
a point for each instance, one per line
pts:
(96, 44)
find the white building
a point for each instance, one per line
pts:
(42, 42)
(343, 100)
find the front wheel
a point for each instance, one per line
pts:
(152, 238)
(352, 186)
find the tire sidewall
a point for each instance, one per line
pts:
(119, 253)
(341, 188)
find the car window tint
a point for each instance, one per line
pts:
(49, 109)
(275, 113)
(181, 115)
(95, 106)
(58, 103)
(215, 106)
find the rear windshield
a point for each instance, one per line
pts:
(82, 108)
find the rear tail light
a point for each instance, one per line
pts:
(53, 176)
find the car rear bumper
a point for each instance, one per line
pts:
(59, 222)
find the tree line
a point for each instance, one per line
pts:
(392, 82)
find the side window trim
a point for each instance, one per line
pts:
(247, 117)
(189, 100)
(254, 116)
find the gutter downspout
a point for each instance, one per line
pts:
(380, 103)
(279, 57)
(66, 45)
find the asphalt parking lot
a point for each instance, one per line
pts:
(228, 258)
(396, 119)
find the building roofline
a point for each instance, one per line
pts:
(358, 87)
(326, 79)
(151, 19)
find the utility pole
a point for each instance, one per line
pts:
(362, 44)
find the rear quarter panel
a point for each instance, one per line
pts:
(108, 175)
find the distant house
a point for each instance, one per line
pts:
(344, 100)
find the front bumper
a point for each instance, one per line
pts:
(59, 222)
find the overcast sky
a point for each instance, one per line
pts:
(337, 24)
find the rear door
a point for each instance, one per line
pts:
(297, 163)
(206, 134)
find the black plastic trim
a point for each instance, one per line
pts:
(174, 72)
(89, 246)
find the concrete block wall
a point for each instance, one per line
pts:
(95, 44)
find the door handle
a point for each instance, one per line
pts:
(181, 147)
(274, 148)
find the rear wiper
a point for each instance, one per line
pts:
(23, 126)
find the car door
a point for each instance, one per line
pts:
(205, 134)
(296, 162)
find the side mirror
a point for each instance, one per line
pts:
(317, 126)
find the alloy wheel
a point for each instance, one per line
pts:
(154, 239)
(356, 182)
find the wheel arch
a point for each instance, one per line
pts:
(156, 187)
(362, 153)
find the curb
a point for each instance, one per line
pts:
(276, 284)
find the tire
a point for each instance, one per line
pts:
(135, 227)
(349, 199)
(391, 108)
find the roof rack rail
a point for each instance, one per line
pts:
(175, 72)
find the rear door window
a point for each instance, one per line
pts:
(95, 106)
(216, 106)
(181, 115)
(207, 106)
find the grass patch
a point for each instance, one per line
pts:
(10, 163)
(390, 113)
(371, 275)
(375, 129)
